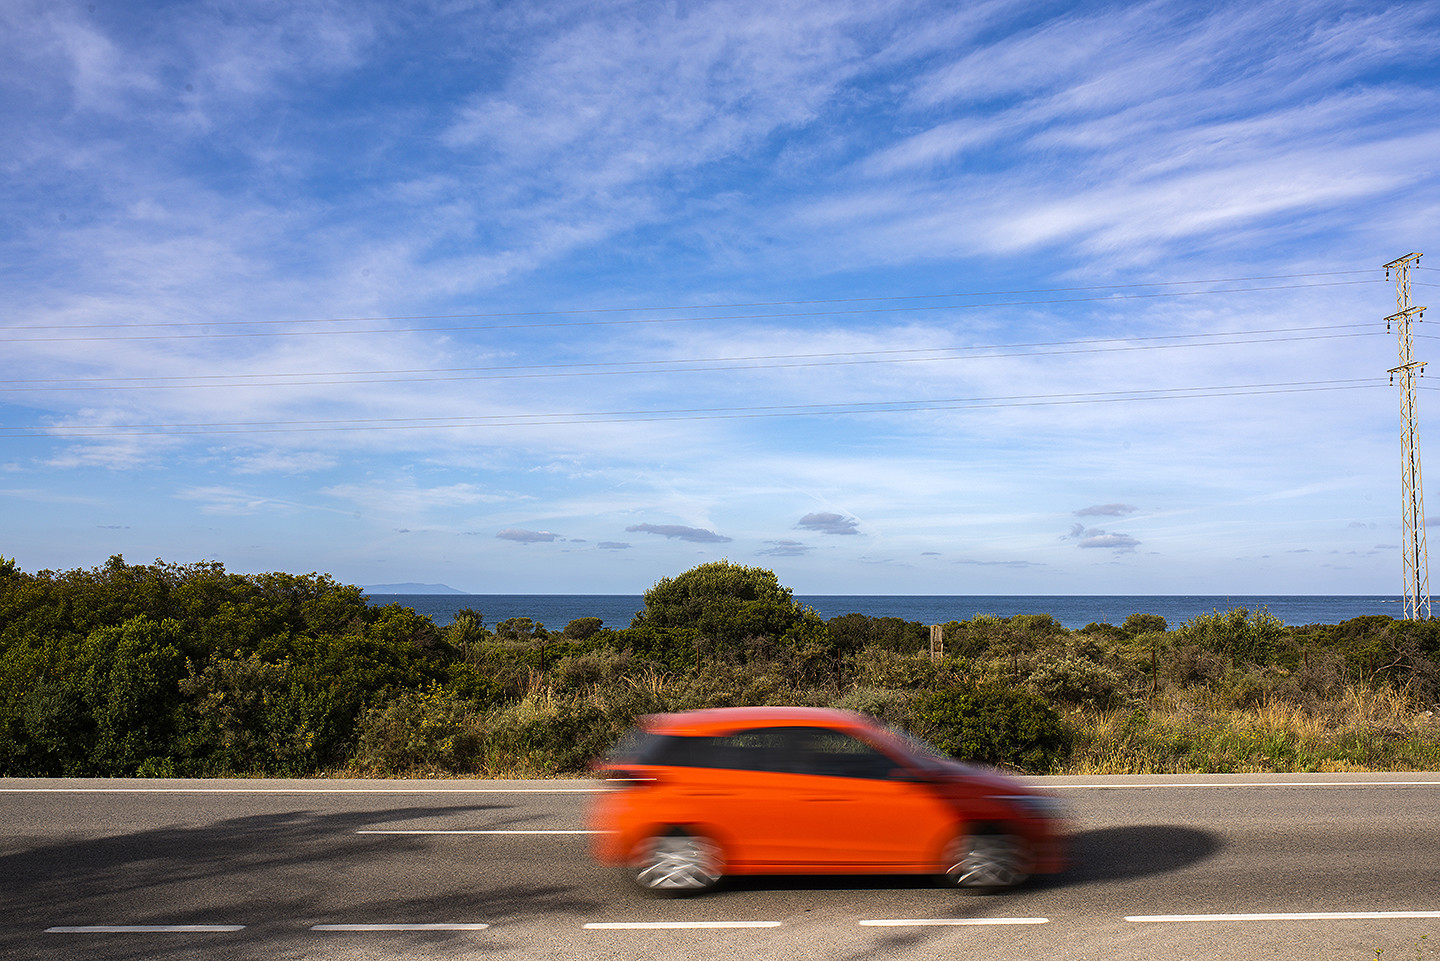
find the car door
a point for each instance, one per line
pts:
(852, 804)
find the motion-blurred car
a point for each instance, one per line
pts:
(700, 795)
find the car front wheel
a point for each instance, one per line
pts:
(678, 862)
(987, 861)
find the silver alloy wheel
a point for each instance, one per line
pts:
(986, 861)
(678, 862)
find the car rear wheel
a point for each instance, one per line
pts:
(987, 860)
(678, 862)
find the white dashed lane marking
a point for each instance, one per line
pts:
(676, 925)
(454, 926)
(143, 928)
(515, 832)
(1295, 916)
(940, 922)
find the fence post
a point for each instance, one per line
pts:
(937, 642)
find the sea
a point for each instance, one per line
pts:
(1073, 611)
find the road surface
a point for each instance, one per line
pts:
(1232, 866)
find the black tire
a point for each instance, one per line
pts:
(987, 860)
(677, 862)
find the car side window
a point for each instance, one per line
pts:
(783, 750)
(831, 753)
(758, 749)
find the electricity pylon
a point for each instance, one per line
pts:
(1412, 494)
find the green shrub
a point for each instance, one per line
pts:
(889, 705)
(851, 632)
(467, 631)
(1244, 636)
(582, 628)
(428, 730)
(541, 735)
(994, 724)
(1076, 679)
(1144, 624)
(724, 602)
(883, 668)
(241, 717)
(1102, 629)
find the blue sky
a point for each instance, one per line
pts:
(888, 297)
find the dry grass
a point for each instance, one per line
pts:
(1183, 732)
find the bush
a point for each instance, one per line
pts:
(1076, 680)
(429, 730)
(883, 668)
(548, 736)
(851, 632)
(891, 706)
(582, 628)
(241, 718)
(994, 724)
(1246, 637)
(1103, 629)
(725, 602)
(1144, 624)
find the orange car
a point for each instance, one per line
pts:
(792, 790)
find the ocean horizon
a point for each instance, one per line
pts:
(1073, 611)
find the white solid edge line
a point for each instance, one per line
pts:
(438, 926)
(675, 925)
(934, 922)
(294, 790)
(143, 928)
(537, 831)
(1121, 787)
(1290, 916)
(599, 789)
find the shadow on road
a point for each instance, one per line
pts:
(275, 873)
(1109, 854)
(1123, 853)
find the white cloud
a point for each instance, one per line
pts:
(233, 501)
(824, 522)
(1106, 510)
(696, 535)
(522, 536)
(472, 169)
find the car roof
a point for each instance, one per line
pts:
(717, 720)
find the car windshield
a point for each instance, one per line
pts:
(921, 749)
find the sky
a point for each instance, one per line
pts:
(888, 297)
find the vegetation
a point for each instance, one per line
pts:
(189, 670)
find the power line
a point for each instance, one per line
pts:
(611, 323)
(733, 305)
(713, 364)
(686, 414)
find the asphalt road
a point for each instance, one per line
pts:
(1166, 867)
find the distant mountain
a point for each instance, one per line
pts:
(410, 589)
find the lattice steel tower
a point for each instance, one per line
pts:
(1412, 494)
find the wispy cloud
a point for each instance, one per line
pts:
(1089, 538)
(522, 536)
(425, 271)
(785, 549)
(695, 535)
(827, 523)
(1106, 510)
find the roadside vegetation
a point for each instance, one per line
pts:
(189, 670)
